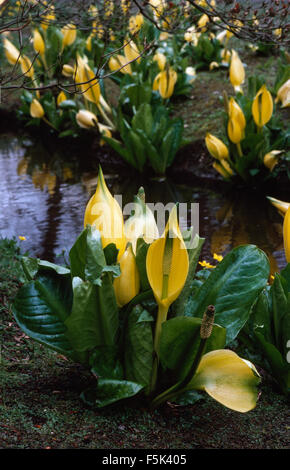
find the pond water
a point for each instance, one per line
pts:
(43, 197)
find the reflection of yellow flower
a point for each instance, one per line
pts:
(21, 238)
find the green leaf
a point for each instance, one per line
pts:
(179, 342)
(105, 363)
(143, 119)
(87, 257)
(138, 356)
(232, 287)
(41, 308)
(141, 253)
(31, 266)
(280, 368)
(110, 391)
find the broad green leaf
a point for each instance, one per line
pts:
(87, 258)
(280, 368)
(109, 391)
(31, 266)
(138, 354)
(143, 119)
(232, 287)
(280, 310)
(84, 325)
(179, 342)
(41, 308)
(137, 149)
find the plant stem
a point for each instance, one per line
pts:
(161, 317)
(239, 149)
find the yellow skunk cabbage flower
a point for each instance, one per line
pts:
(69, 32)
(86, 119)
(36, 109)
(283, 94)
(135, 23)
(216, 147)
(125, 6)
(60, 98)
(262, 107)
(204, 19)
(286, 235)
(282, 206)
(228, 379)
(85, 78)
(271, 159)
(104, 130)
(235, 131)
(67, 70)
(131, 51)
(160, 59)
(48, 19)
(223, 168)
(142, 223)
(127, 285)
(235, 112)
(167, 268)
(237, 71)
(26, 66)
(104, 212)
(164, 82)
(119, 62)
(38, 42)
(11, 52)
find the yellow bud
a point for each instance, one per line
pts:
(104, 212)
(237, 71)
(38, 42)
(67, 70)
(216, 147)
(236, 112)
(69, 35)
(26, 66)
(135, 23)
(60, 98)
(235, 131)
(160, 59)
(223, 168)
(131, 51)
(11, 52)
(36, 109)
(271, 159)
(127, 285)
(118, 61)
(262, 107)
(86, 119)
(283, 94)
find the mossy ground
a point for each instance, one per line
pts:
(40, 406)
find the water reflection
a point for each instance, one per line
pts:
(44, 194)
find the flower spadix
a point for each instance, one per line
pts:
(127, 285)
(286, 235)
(142, 223)
(167, 263)
(104, 212)
(228, 379)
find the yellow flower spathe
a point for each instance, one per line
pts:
(86, 119)
(237, 71)
(127, 285)
(38, 43)
(36, 109)
(104, 212)
(228, 379)
(69, 32)
(164, 82)
(216, 147)
(286, 235)
(262, 107)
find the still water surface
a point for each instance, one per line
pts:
(43, 198)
